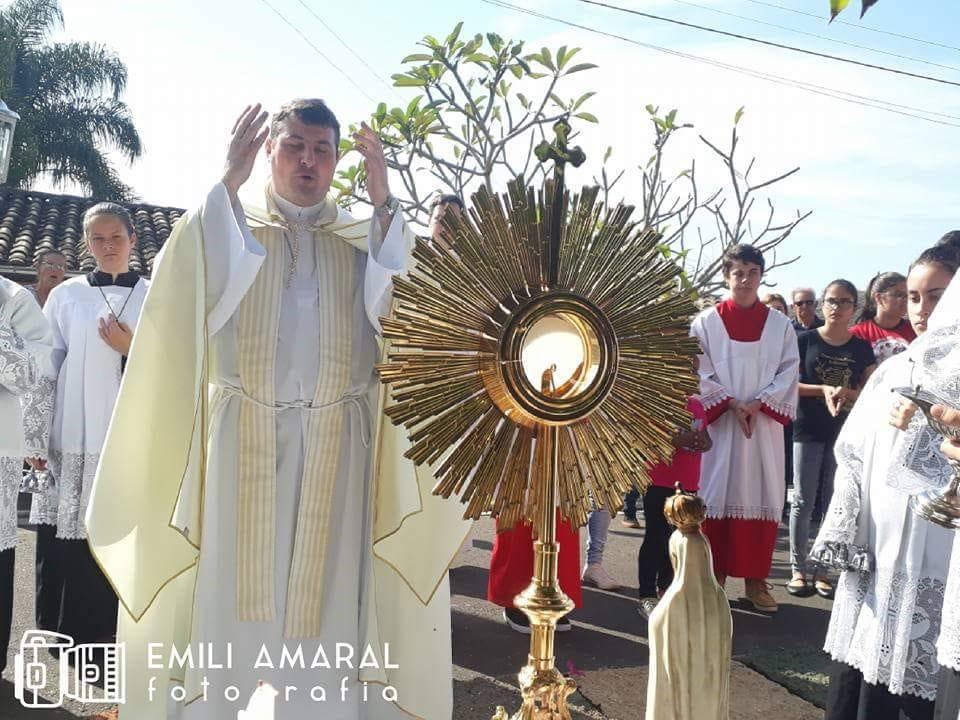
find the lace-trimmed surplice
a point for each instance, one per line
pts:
(885, 622)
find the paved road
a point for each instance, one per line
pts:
(606, 651)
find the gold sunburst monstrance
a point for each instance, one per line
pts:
(539, 353)
(470, 396)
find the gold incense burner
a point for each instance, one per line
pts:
(540, 358)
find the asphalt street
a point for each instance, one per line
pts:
(606, 652)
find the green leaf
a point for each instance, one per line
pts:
(557, 101)
(671, 116)
(652, 110)
(608, 153)
(412, 107)
(517, 72)
(582, 99)
(523, 64)
(523, 100)
(452, 37)
(456, 151)
(837, 7)
(417, 57)
(589, 117)
(496, 42)
(736, 118)
(546, 59)
(536, 76)
(407, 81)
(381, 110)
(580, 67)
(471, 47)
(561, 56)
(480, 58)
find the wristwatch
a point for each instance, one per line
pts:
(389, 207)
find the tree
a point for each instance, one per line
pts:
(476, 99)
(479, 109)
(838, 6)
(675, 207)
(68, 99)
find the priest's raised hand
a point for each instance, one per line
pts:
(247, 137)
(369, 144)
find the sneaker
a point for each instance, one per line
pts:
(595, 575)
(758, 595)
(563, 624)
(517, 620)
(630, 522)
(646, 607)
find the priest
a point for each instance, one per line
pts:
(749, 379)
(268, 519)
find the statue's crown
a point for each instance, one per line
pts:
(685, 510)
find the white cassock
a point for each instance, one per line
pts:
(24, 354)
(331, 293)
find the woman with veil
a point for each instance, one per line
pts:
(886, 615)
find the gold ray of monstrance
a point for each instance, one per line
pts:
(539, 356)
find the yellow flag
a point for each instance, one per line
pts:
(837, 7)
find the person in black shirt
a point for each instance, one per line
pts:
(834, 365)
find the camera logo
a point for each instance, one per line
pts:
(31, 679)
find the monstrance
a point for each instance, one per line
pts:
(540, 357)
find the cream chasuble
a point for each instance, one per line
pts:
(251, 515)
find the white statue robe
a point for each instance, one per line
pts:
(24, 353)
(390, 542)
(690, 634)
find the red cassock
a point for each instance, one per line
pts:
(511, 564)
(742, 547)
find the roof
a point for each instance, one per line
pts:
(34, 222)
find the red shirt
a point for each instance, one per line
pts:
(886, 342)
(685, 466)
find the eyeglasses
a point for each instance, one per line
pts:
(53, 266)
(838, 302)
(804, 303)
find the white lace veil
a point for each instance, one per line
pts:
(917, 464)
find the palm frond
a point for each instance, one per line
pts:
(80, 69)
(31, 21)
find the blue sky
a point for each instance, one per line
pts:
(881, 186)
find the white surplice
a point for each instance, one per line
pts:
(885, 623)
(87, 373)
(743, 478)
(24, 355)
(233, 258)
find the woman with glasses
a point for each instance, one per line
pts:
(834, 365)
(887, 614)
(883, 322)
(51, 269)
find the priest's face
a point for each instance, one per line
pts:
(302, 161)
(110, 243)
(743, 279)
